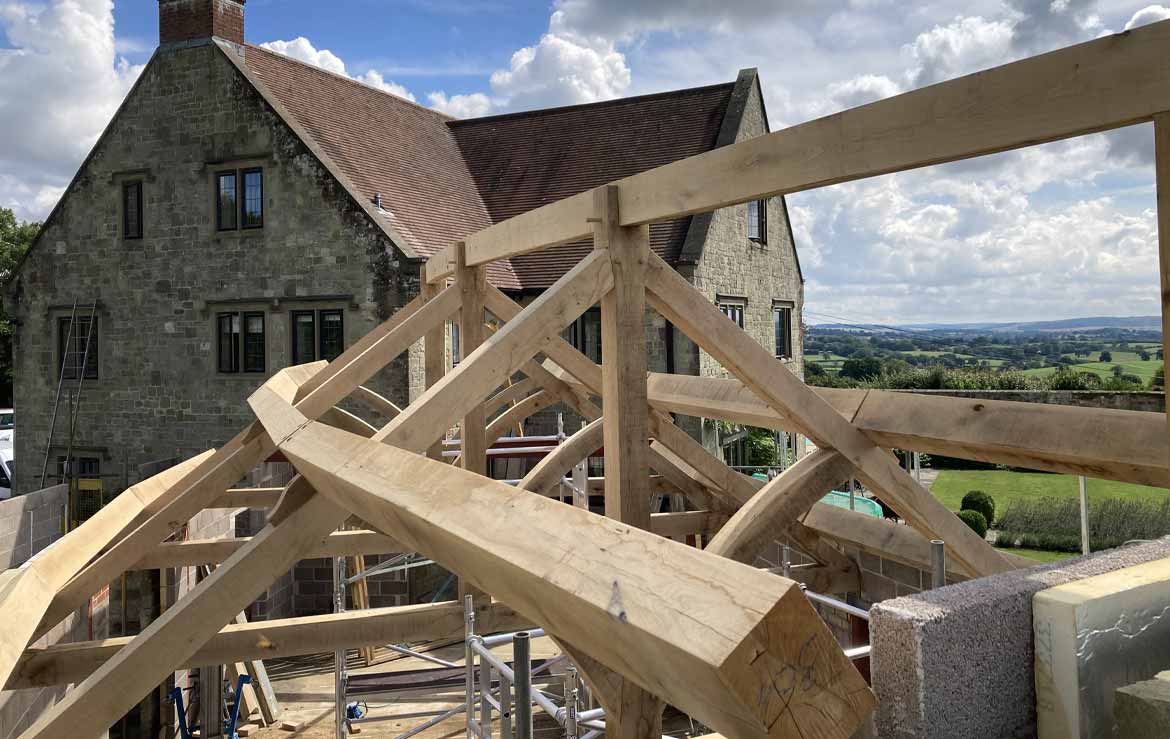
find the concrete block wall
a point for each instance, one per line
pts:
(29, 524)
(959, 661)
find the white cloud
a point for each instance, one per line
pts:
(475, 105)
(374, 78)
(60, 84)
(1148, 14)
(302, 49)
(562, 69)
(965, 45)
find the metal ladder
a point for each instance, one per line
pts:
(74, 405)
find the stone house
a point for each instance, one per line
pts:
(244, 211)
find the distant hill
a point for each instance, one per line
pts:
(1091, 323)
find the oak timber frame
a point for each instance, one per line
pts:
(647, 618)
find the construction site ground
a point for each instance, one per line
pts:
(305, 688)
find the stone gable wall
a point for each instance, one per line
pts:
(159, 393)
(734, 265)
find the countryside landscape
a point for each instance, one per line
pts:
(1036, 514)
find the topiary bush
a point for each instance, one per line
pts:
(975, 520)
(977, 500)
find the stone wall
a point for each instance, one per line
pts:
(29, 524)
(158, 392)
(734, 266)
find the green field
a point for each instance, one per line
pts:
(1007, 486)
(1130, 363)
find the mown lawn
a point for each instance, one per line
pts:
(1040, 555)
(1006, 486)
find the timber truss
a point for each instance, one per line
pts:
(648, 619)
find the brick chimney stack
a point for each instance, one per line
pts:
(187, 21)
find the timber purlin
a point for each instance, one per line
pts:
(646, 618)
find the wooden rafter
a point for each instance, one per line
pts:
(679, 302)
(1097, 442)
(289, 637)
(650, 596)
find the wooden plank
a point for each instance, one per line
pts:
(772, 510)
(376, 402)
(353, 368)
(1106, 83)
(247, 498)
(882, 537)
(631, 711)
(547, 474)
(623, 369)
(225, 467)
(434, 353)
(361, 599)
(27, 593)
(666, 610)
(116, 686)
(471, 281)
(195, 552)
(499, 356)
(261, 686)
(1096, 442)
(73, 662)
(741, 490)
(513, 393)
(360, 347)
(681, 304)
(559, 350)
(508, 420)
(685, 523)
(1162, 174)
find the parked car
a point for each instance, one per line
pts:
(7, 428)
(6, 473)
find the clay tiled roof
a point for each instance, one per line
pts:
(525, 160)
(441, 179)
(386, 146)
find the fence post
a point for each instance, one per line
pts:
(1084, 496)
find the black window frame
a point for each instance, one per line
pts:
(579, 330)
(294, 342)
(786, 309)
(232, 345)
(243, 201)
(219, 210)
(759, 219)
(129, 233)
(729, 305)
(69, 372)
(237, 355)
(456, 344)
(320, 330)
(246, 366)
(318, 342)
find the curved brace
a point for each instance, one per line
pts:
(548, 472)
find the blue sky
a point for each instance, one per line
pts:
(1056, 231)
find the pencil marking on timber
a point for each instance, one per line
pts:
(615, 607)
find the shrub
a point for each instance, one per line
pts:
(977, 500)
(975, 520)
(1055, 523)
